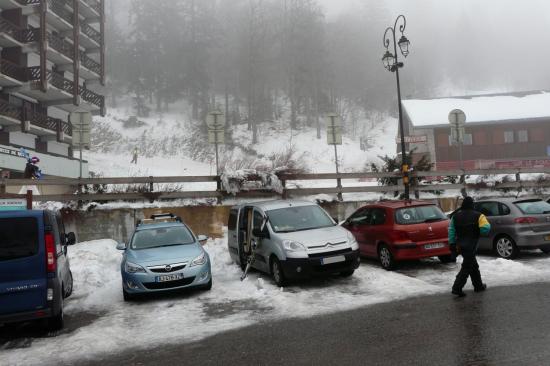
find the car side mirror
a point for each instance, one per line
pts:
(259, 233)
(335, 219)
(121, 246)
(70, 238)
(202, 239)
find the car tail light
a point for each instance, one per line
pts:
(397, 235)
(50, 252)
(525, 220)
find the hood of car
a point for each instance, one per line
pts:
(165, 255)
(316, 238)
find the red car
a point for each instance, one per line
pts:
(394, 231)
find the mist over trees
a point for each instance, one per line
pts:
(257, 60)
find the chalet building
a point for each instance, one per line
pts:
(52, 62)
(501, 130)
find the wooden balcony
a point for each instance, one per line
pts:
(11, 74)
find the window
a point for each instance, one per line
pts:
(468, 140)
(162, 237)
(418, 215)
(360, 217)
(378, 216)
(504, 210)
(18, 238)
(509, 137)
(258, 219)
(298, 218)
(523, 136)
(533, 207)
(488, 208)
(232, 224)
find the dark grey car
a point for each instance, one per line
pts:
(516, 224)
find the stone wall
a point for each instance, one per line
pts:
(119, 224)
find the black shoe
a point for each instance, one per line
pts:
(481, 289)
(458, 293)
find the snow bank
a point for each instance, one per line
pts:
(231, 303)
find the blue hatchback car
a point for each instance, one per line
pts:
(163, 255)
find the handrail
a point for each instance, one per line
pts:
(91, 32)
(12, 70)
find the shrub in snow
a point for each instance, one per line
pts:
(250, 179)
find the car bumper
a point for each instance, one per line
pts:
(294, 268)
(138, 283)
(26, 316)
(533, 240)
(412, 251)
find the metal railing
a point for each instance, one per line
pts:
(58, 7)
(90, 63)
(146, 188)
(91, 32)
(94, 4)
(61, 45)
(91, 97)
(10, 110)
(12, 70)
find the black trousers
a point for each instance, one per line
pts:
(470, 268)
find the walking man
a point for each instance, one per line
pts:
(466, 226)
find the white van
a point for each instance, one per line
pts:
(290, 239)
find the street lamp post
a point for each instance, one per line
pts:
(392, 64)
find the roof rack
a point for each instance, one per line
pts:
(159, 218)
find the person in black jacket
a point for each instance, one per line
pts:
(465, 228)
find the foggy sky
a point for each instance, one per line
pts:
(471, 45)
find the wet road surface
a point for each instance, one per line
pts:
(502, 326)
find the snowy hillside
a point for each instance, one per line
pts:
(170, 144)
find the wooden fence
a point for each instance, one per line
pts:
(143, 188)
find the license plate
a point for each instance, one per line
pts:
(168, 278)
(547, 238)
(434, 246)
(331, 260)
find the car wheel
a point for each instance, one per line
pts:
(69, 291)
(386, 258)
(447, 259)
(506, 247)
(57, 322)
(127, 296)
(277, 272)
(347, 273)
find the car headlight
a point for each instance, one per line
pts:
(199, 261)
(352, 242)
(130, 267)
(293, 246)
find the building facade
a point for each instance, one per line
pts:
(501, 131)
(52, 62)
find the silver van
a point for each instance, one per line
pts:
(290, 240)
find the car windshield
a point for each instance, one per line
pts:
(533, 207)
(418, 215)
(18, 238)
(162, 237)
(290, 219)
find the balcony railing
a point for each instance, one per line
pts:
(12, 70)
(91, 97)
(10, 110)
(91, 32)
(61, 46)
(90, 63)
(94, 4)
(44, 121)
(56, 6)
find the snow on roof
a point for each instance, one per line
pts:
(489, 108)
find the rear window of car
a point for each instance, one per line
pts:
(418, 215)
(533, 207)
(18, 238)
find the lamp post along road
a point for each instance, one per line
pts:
(392, 64)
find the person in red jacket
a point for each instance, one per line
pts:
(465, 228)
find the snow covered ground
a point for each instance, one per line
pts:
(109, 325)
